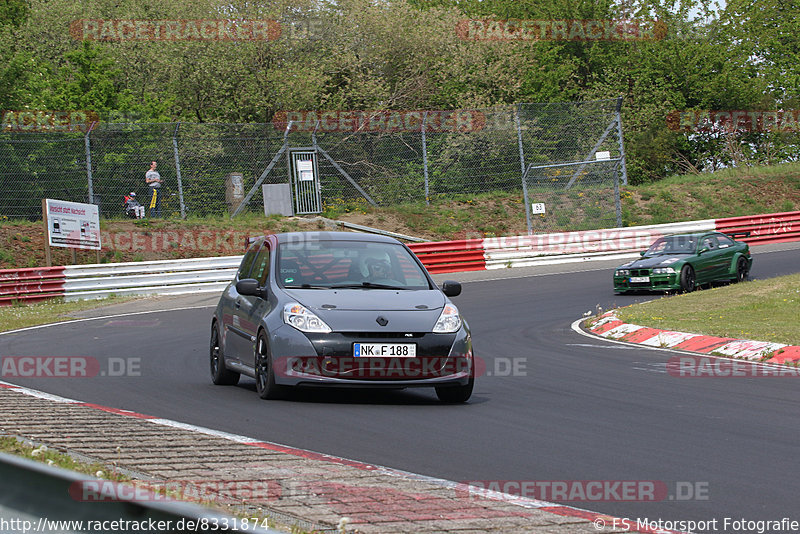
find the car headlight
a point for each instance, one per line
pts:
(303, 319)
(623, 272)
(449, 320)
(663, 270)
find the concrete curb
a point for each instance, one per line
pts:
(609, 326)
(296, 487)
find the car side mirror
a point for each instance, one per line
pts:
(451, 288)
(642, 253)
(249, 287)
(704, 249)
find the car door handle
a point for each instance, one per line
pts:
(238, 304)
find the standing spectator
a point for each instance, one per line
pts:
(154, 180)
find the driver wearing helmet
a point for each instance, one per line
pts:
(378, 269)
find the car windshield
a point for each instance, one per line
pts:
(676, 244)
(321, 264)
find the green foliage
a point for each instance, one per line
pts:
(89, 76)
(406, 54)
(14, 12)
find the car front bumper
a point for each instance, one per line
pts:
(327, 360)
(656, 282)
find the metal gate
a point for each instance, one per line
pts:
(573, 182)
(304, 176)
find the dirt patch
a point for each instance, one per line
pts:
(750, 192)
(23, 244)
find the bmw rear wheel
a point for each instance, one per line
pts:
(688, 279)
(220, 375)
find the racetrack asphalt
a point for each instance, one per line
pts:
(574, 410)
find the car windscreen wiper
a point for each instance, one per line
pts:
(368, 285)
(305, 286)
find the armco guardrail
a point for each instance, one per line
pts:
(41, 498)
(213, 274)
(451, 256)
(566, 247)
(166, 277)
(768, 228)
(31, 284)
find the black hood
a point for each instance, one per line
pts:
(662, 260)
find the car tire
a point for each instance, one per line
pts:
(688, 279)
(220, 375)
(457, 394)
(741, 270)
(265, 370)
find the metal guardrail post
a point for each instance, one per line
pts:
(178, 169)
(524, 171)
(89, 163)
(621, 143)
(370, 230)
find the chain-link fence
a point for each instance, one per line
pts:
(567, 156)
(574, 162)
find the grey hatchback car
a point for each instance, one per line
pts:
(339, 309)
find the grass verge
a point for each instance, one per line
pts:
(762, 310)
(11, 445)
(50, 311)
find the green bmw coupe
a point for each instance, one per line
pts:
(684, 261)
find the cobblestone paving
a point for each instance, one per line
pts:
(310, 491)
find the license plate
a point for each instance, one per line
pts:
(635, 279)
(396, 350)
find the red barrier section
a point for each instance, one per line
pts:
(451, 256)
(34, 284)
(767, 228)
(31, 284)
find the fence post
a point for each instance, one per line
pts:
(178, 169)
(522, 166)
(617, 201)
(621, 144)
(425, 160)
(89, 163)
